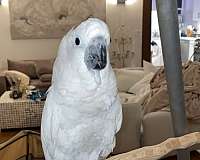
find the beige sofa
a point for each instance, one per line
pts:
(149, 129)
(129, 136)
(157, 127)
(38, 71)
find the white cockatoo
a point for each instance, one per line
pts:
(82, 112)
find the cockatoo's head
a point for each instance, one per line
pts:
(89, 42)
(93, 36)
(83, 54)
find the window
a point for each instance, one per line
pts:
(179, 4)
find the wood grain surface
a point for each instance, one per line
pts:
(158, 151)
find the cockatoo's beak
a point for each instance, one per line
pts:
(96, 54)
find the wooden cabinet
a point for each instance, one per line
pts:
(187, 50)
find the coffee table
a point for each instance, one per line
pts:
(19, 113)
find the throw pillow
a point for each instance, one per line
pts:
(44, 67)
(142, 88)
(26, 67)
(127, 77)
(149, 67)
(46, 77)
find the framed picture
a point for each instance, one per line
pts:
(32, 19)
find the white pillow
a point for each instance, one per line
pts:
(127, 78)
(142, 88)
(149, 67)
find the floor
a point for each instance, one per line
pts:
(5, 135)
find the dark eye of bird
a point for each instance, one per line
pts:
(77, 41)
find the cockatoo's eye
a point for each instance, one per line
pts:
(77, 41)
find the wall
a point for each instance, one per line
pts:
(22, 49)
(191, 12)
(117, 15)
(188, 12)
(129, 16)
(153, 4)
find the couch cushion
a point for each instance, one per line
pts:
(26, 67)
(141, 89)
(139, 86)
(126, 78)
(157, 127)
(44, 67)
(128, 138)
(149, 67)
(46, 77)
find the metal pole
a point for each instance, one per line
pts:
(170, 40)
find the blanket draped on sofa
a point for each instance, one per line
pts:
(159, 100)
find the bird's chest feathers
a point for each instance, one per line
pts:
(102, 98)
(90, 106)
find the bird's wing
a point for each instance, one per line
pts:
(119, 117)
